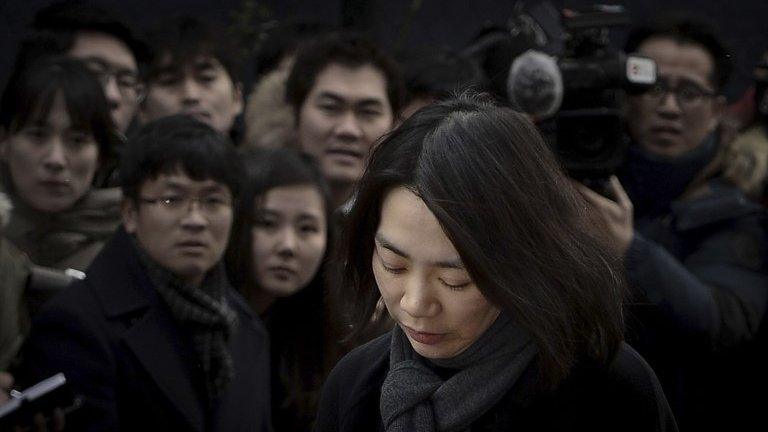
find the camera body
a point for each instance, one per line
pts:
(588, 132)
(560, 68)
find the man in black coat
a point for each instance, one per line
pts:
(693, 245)
(155, 338)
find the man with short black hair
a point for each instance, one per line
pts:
(104, 42)
(694, 247)
(345, 93)
(155, 338)
(192, 71)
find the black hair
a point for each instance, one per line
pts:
(441, 75)
(178, 142)
(296, 323)
(266, 169)
(686, 31)
(347, 49)
(519, 226)
(282, 41)
(62, 21)
(177, 41)
(32, 88)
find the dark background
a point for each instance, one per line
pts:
(422, 24)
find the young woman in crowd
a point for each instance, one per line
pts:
(55, 134)
(507, 302)
(276, 256)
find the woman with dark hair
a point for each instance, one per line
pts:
(275, 258)
(507, 302)
(56, 136)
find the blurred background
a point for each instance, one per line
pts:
(408, 24)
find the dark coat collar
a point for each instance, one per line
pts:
(126, 293)
(122, 284)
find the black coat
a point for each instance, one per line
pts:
(700, 279)
(625, 396)
(119, 346)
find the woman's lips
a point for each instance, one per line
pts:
(56, 186)
(282, 273)
(424, 337)
(671, 130)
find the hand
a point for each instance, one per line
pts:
(6, 383)
(617, 215)
(56, 421)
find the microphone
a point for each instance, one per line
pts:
(535, 84)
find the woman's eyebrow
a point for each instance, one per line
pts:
(386, 244)
(451, 264)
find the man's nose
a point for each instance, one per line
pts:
(669, 104)
(349, 126)
(190, 91)
(112, 91)
(194, 217)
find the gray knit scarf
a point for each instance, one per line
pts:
(415, 399)
(203, 312)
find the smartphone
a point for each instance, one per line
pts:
(42, 397)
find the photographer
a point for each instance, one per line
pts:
(693, 244)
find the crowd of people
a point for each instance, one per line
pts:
(364, 243)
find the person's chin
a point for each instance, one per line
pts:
(665, 146)
(281, 288)
(339, 175)
(432, 351)
(188, 267)
(52, 204)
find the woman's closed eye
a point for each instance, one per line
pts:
(455, 286)
(391, 267)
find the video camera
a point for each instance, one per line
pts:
(560, 68)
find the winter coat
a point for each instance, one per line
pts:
(121, 349)
(14, 314)
(623, 396)
(699, 281)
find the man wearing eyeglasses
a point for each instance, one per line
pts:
(693, 245)
(155, 338)
(106, 44)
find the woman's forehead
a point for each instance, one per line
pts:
(410, 227)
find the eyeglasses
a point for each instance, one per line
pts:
(127, 82)
(180, 205)
(687, 94)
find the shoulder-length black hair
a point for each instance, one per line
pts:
(266, 169)
(31, 89)
(296, 323)
(521, 229)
